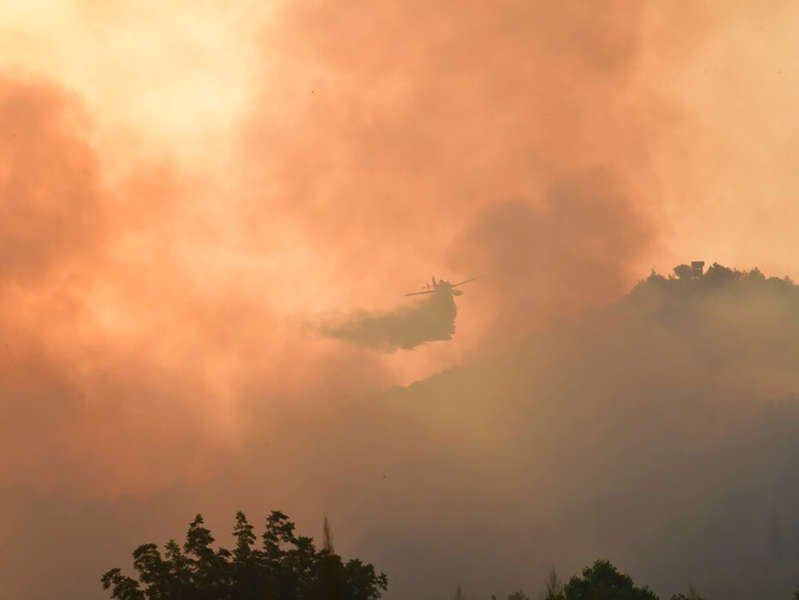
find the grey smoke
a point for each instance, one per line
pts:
(408, 326)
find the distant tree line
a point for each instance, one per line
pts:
(285, 566)
(600, 581)
(718, 275)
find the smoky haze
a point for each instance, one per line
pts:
(406, 327)
(550, 259)
(183, 190)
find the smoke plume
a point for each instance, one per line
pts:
(183, 190)
(406, 327)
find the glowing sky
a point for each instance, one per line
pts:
(189, 187)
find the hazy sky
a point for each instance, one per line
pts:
(187, 188)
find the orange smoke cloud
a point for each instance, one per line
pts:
(75, 378)
(382, 147)
(181, 191)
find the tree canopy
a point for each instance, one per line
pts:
(602, 581)
(283, 567)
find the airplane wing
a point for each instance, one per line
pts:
(467, 281)
(418, 293)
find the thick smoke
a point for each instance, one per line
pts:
(154, 361)
(658, 432)
(575, 246)
(407, 327)
(81, 364)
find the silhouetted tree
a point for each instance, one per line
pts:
(683, 272)
(459, 594)
(286, 567)
(327, 536)
(520, 595)
(602, 581)
(755, 275)
(553, 588)
(719, 275)
(692, 595)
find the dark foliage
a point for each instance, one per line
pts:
(718, 276)
(691, 595)
(553, 589)
(602, 581)
(285, 567)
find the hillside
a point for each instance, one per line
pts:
(661, 432)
